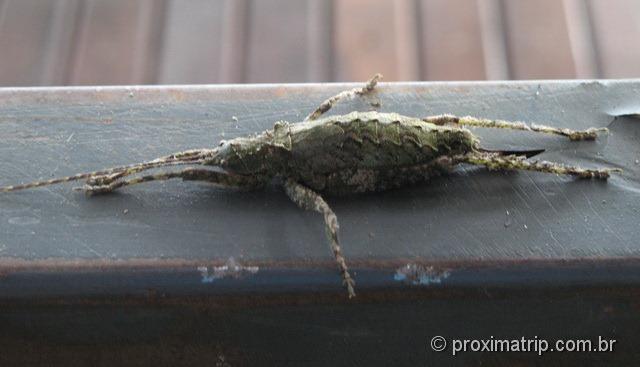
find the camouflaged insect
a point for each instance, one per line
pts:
(352, 153)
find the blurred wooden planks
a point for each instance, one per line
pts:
(375, 37)
(616, 35)
(277, 40)
(117, 42)
(199, 60)
(230, 41)
(537, 40)
(451, 40)
(36, 41)
(80, 42)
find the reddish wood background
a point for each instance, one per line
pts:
(83, 42)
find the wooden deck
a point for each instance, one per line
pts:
(100, 42)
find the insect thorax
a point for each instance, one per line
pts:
(311, 151)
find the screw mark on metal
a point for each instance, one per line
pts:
(346, 154)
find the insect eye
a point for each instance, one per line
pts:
(279, 125)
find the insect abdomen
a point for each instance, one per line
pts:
(373, 141)
(310, 150)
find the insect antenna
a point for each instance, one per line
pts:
(186, 157)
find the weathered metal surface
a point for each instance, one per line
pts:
(146, 248)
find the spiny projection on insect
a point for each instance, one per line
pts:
(352, 153)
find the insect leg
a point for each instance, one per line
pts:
(188, 174)
(308, 199)
(495, 161)
(327, 104)
(575, 135)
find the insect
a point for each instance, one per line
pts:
(353, 153)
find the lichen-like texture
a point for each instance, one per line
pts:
(357, 152)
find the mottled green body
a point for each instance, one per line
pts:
(357, 152)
